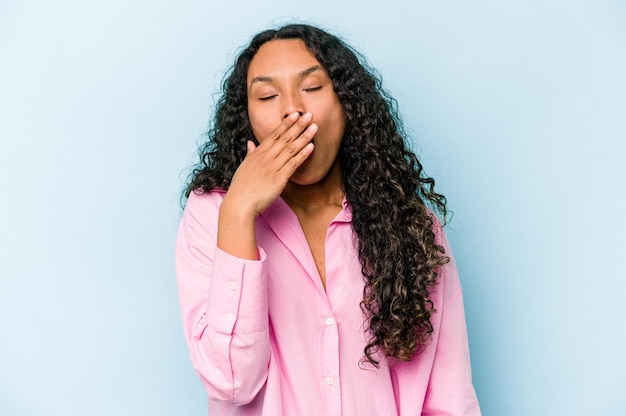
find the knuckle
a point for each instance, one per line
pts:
(287, 137)
(275, 135)
(292, 164)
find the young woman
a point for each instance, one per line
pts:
(314, 278)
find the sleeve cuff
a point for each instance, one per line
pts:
(238, 294)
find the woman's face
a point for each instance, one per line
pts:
(283, 78)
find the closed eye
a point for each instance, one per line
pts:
(269, 97)
(319, 87)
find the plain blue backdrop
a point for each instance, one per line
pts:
(517, 108)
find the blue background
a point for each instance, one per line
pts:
(517, 108)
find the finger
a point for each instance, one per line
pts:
(287, 132)
(294, 148)
(282, 128)
(292, 140)
(297, 128)
(295, 162)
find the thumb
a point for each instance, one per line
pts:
(251, 147)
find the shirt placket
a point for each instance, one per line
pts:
(331, 381)
(330, 378)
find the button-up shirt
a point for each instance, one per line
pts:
(266, 337)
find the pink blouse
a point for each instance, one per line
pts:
(267, 339)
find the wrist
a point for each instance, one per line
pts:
(236, 232)
(237, 212)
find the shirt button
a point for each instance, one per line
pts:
(330, 321)
(330, 381)
(230, 317)
(232, 285)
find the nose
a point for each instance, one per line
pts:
(291, 112)
(292, 103)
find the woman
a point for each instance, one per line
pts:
(313, 277)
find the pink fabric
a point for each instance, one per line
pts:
(266, 339)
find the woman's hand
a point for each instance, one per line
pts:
(260, 179)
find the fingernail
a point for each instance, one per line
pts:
(307, 117)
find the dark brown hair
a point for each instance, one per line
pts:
(390, 196)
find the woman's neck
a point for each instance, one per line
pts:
(328, 191)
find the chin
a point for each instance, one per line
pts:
(303, 181)
(303, 178)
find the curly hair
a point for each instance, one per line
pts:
(391, 199)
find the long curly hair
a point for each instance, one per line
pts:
(391, 199)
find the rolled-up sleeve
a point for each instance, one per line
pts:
(223, 300)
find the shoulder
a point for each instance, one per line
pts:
(448, 283)
(199, 222)
(203, 205)
(199, 199)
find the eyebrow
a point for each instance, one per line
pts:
(301, 74)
